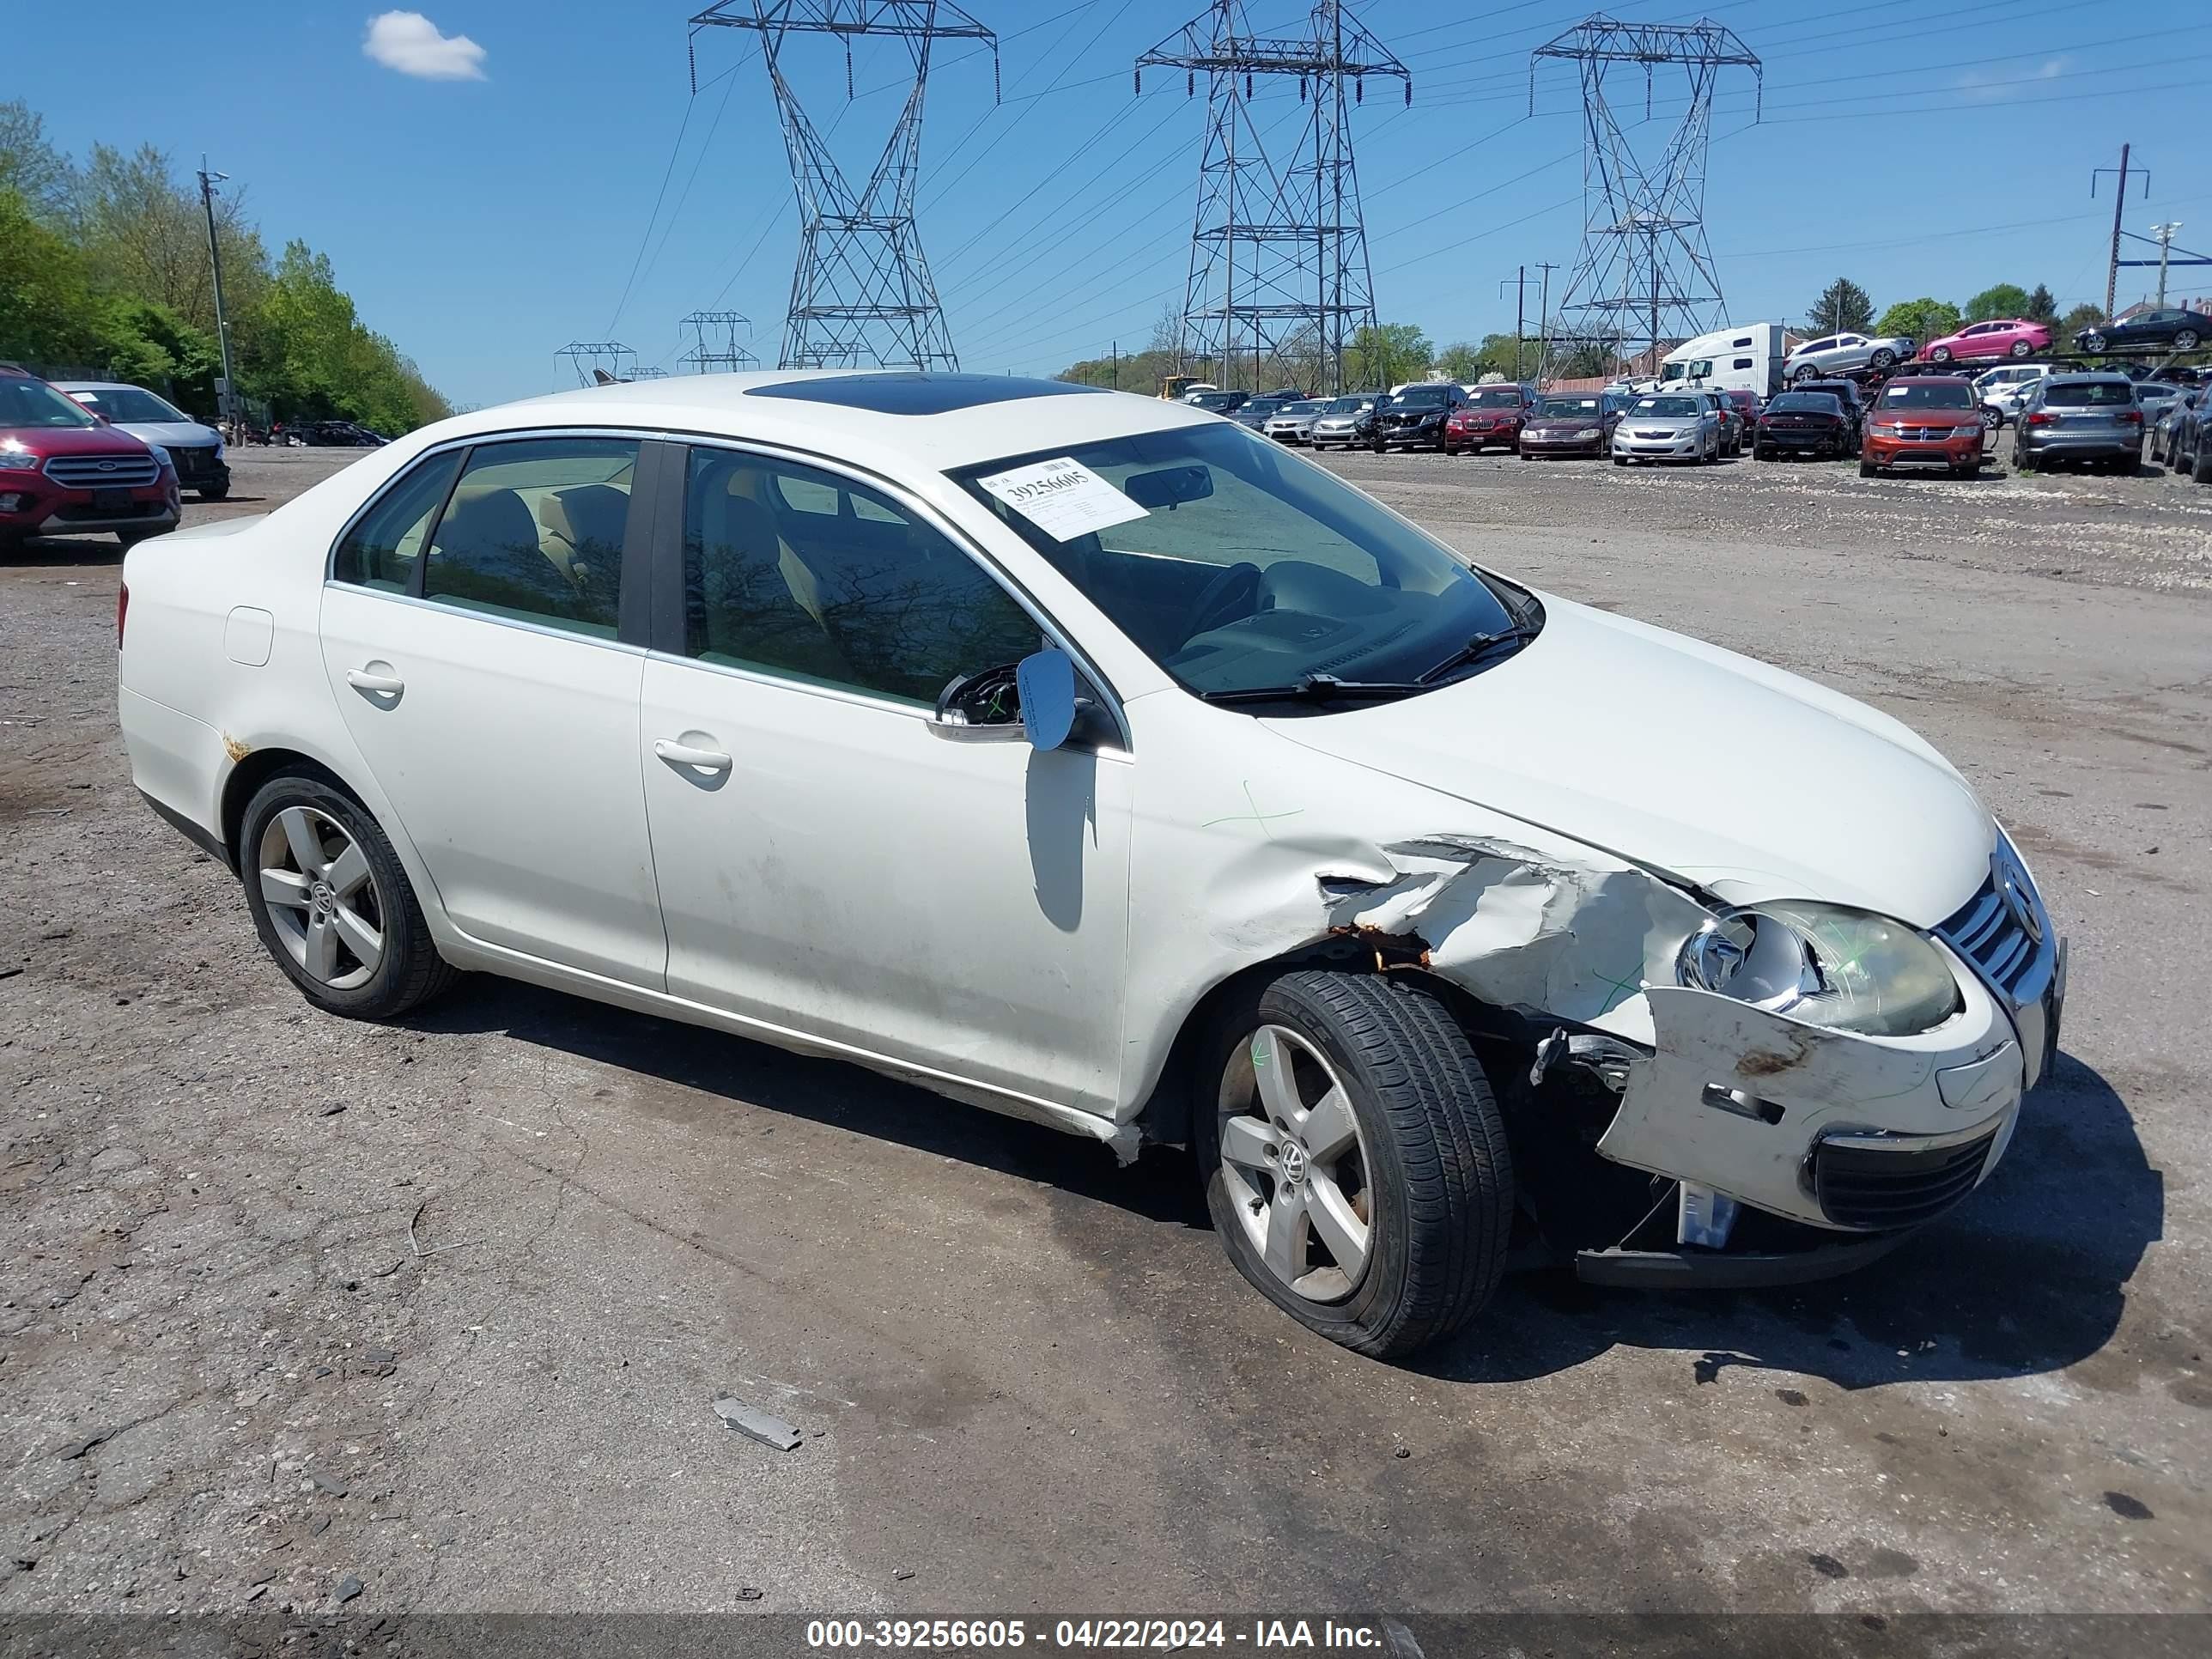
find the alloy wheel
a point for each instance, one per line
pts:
(322, 897)
(1295, 1165)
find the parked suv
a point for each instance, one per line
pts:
(1931, 421)
(1835, 353)
(1493, 415)
(64, 471)
(2082, 417)
(1416, 416)
(195, 448)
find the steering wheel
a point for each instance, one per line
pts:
(1233, 594)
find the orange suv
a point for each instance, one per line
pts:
(1931, 421)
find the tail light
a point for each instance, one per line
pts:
(2042, 418)
(122, 611)
(2131, 417)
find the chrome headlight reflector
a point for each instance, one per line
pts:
(1846, 969)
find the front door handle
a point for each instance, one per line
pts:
(683, 754)
(380, 685)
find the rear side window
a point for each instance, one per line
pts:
(379, 551)
(535, 532)
(2088, 393)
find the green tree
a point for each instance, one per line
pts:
(1919, 320)
(1463, 362)
(1380, 357)
(2003, 300)
(2041, 306)
(144, 342)
(1842, 305)
(45, 302)
(2081, 317)
(31, 167)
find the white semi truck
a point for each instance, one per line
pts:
(1746, 358)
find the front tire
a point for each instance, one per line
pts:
(212, 492)
(2186, 340)
(1868, 470)
(2200, 469)
(332, 904)
(1355, 1159)
(1884, 359)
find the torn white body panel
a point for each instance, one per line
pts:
(1736, 1098)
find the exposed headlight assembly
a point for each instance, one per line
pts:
(1827, 965)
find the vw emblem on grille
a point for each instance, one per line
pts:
(2017, 897)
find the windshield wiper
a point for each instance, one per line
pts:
(1480, 644)
(1318, 688)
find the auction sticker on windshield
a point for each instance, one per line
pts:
(1062, 497)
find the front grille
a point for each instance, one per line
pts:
(1926, 434)
(193, 460)
(1989, 932)
(1861, 1183)
(103, 471)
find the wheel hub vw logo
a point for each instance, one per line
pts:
(1294, 1163)
(324, 899)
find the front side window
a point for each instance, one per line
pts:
(803, 574)
(1237, 568)
(535, 530)
(381, 551)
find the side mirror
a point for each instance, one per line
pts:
(1046, 680)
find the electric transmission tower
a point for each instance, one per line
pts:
(599, 363)
(1644, 258)
(1277, 254)
(715, 347)
(862, 295)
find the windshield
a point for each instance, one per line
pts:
(1234, 567)
(1694, 369)
(28, 402)
(1572, 409)
(1216, 401)
(2080, 392)
(1953, 396)
(1351, 405)
(1420, 396)
(1308, 407)
(129, 403)
(1817, 402)
(1495, 397)
(1672, 408)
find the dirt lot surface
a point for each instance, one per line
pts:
(287, 1302)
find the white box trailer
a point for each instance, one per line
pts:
(1746, 358)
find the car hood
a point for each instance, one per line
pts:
(1721, 772)
(1882, 417)
(171, 434)
(73, 440)
(1563, 423)
(1640, 421)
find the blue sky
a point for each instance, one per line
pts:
(484, 222)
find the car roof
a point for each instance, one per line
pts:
(2082, 377)
(95, 386)
(893, 421)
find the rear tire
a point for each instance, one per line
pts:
(1939, 354)
(2200, 469)
(1355, 1160)
(332, 904)
(2021, 348)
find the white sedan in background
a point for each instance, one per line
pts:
(1094, 760)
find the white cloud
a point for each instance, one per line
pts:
(2002, 88)
(410, 42)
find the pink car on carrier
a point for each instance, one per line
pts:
(2008, 337)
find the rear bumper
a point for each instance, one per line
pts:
(1798, 438)
(2034, 441)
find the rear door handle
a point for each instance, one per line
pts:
(382, 685)
(682, 754)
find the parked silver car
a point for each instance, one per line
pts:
(1833, 353)
(195, 447)
(2093, 418)
(1293, 422)
(1673, 425)
(1348, 420)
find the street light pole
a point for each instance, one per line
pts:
(227, 403)
(2165, 235)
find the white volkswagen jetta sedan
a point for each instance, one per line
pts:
(1092, 759)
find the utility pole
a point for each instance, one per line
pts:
(1117, 365)
(226, 400)
(1544, 322)
(1520, 314)
(2165, 235)
(2119, 201)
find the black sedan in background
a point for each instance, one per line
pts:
(1805, 423)
(2166, 330)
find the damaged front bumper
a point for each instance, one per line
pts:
(1838, 1143)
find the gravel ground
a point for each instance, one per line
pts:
(287, 1302)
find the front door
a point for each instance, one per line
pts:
(831, 863)
(470, 633)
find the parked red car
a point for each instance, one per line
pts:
(1931, 421)
(2009, 337)
(1492, 414)
(64, 471)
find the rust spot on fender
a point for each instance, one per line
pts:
(1764, 1062)
(1391, 950)
(237, 750)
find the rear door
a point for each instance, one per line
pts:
(473, 633)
